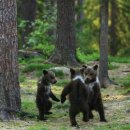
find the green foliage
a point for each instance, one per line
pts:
(33, 64)
(86, 42)
(39, 35)
(126, 81)
(86, 58)
(22, 24)
(119, 59)
(22, 78)
(125, 51)
(39, 38)
(24, 61)
(87, 39)
(46, 49)
(36, 67)
(58, 73)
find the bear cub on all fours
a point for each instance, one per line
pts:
(78, 96)
(93, 85)
(44, 93)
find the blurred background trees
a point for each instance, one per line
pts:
(37, 19)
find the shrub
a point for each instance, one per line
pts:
(86, 58)
(36, 67)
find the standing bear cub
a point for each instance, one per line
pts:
(93, 85)
(78, 96)
(44, 93)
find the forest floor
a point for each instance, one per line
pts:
(116, 102)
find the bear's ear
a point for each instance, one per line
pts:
(95, 67)
(85, 66)
(82, 70)
(45, 72)
(72, 71)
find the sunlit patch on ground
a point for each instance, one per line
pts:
(115, 97)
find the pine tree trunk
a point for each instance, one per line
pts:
(27, 13)
(113, 28)
(65, 52)
(9, 84)
(80, 14)
(103, 71)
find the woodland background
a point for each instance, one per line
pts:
(56, 35)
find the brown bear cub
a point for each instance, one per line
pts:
(95, 98)
(44, 93)
(78, 96)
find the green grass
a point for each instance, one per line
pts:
(38, 127)
(22, 78)
(119, 59)
(87, 58)
(38, 73)
(58, 73)
(112, 66)
(62, 82)
(126, 81)
(24, 61)
(114, 126)
(29, 106)
(59, 120)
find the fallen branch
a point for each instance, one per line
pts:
(27, 54)
(126, 71)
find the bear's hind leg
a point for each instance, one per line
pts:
(85, 111)
(101, 112)
(90, 114)
(72, 115)
(48, 107)
(41, 113)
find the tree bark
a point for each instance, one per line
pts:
(65, 51)
(80, 14)
(27, 13)
(9, 84)
(113, 28)
(103, 69)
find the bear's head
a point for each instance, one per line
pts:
(49, 76)
(90, 73)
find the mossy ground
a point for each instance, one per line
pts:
(116, 102)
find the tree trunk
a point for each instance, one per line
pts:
(80, 14)
(65, 52)
(9, 84)
(27, 13)
(113, 28)
(103, 71)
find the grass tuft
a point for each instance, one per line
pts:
(126, 81)
(112, 66)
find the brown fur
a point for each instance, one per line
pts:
(78, 97)
(44, 93)
(95, 98)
